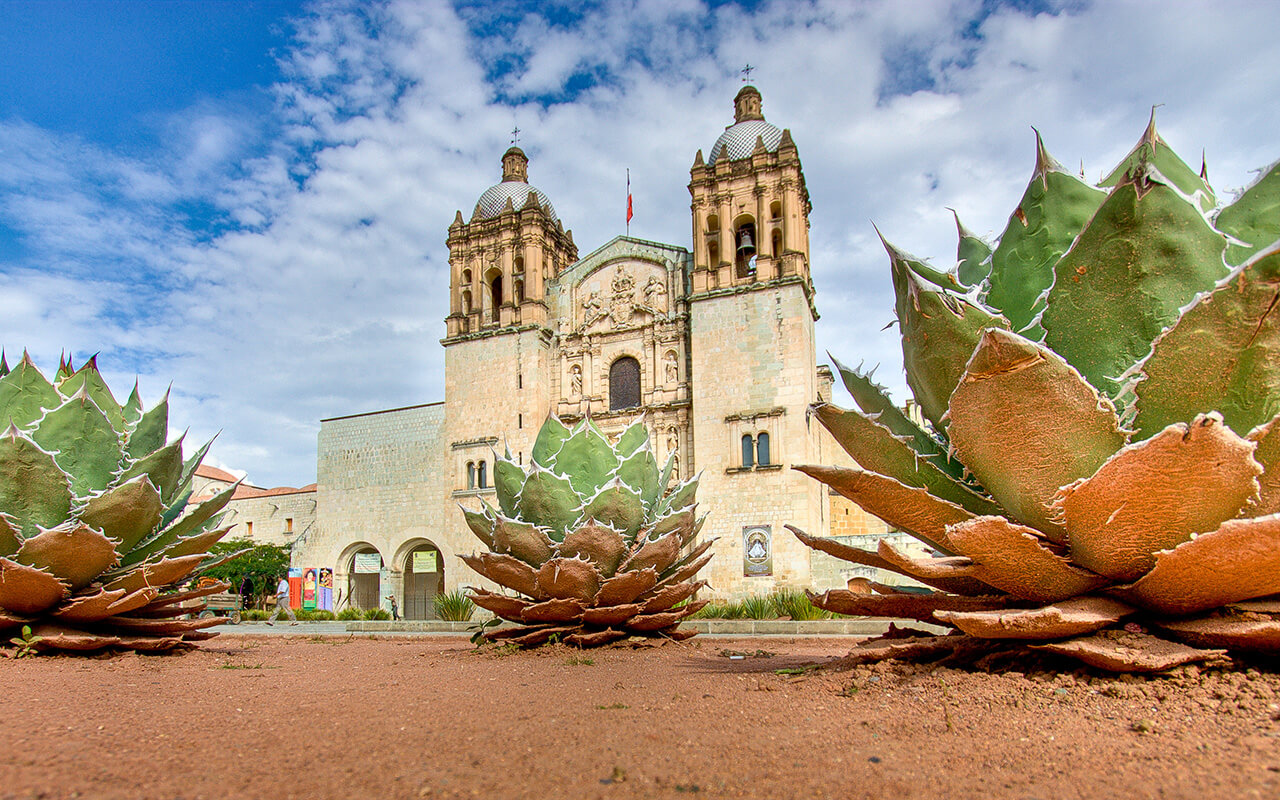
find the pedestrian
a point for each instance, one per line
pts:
(395, 610)
(246, 593)
(282, 603)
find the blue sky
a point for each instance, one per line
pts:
(250, 199)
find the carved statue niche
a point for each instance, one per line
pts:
(672, 367)
(575, 381)
(655, 295)
(673, 451)
(592, 311)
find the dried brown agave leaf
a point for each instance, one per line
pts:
(507, 571)
(539, 636)
(651, 622)
(1121, 651)
(692, 565)
(103, 604)
(594, 638)
(666, 597)
(1154, 494)
(161, 627)
(557, 610)
(1026, 423)
(28, 590)
(187, 594)
(160, 573)
(902, 604)
(1237, 632)
(908, 508)
(625, 587)
(946, 567)
(611, 615)
(10, 538)
(11, 621)
(1239, 561)
(72, 551)
(523, 540)
(569, 579)
(1267, 438)
(1013, 558)
(510, 608)
(599, 544)
(856, 555)
(658, 553)
(1069, 618)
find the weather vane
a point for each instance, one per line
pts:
(515, 135)
(746, 72)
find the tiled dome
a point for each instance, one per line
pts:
(739, 140)
(495, 199)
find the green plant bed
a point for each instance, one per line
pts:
(348, 614)
(454, 606)
(376, 613)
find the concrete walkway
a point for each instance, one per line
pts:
(705, 627)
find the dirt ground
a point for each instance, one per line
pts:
(269, 717)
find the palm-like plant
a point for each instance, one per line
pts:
(590, 538)
(1100, 471)
(95, 533)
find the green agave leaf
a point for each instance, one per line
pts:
(175, 509)
(640, 472)
(586, 459)
(163, 467)
(616, 505)
(83, 443)
(939, 332)
(33, 490)
(1026, 424)
(65, 369)
(4, 364)
(151, 432)
(90, 380)
(875, 403)
(876, 448)
(1054, 209)
(1144, 255)
(665, 479)
(132, 409)
(548, 500)
(25, 394)
(525, 541)
(1254, 217)
(126, 513)
(633, 437)
(1152, 150)
(10, 536)
(679, 497)
(508, 477)
(550, 436)
(973, 256)
(190, 466)
(481, 524)
(200, 519)
(1223, 354)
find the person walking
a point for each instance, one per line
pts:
(282, 603)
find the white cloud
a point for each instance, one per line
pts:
(325, 294)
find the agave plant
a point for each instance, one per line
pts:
(590, 538)
(1099, 473)
(93, 536)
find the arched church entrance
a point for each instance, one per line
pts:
(364, 572)
(423, 580)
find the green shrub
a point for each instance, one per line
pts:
(253, 615)
(454, 606)
(377, 613)
(757, 606)
(795, 603)
(350, 613)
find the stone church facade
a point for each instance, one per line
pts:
(713, 344)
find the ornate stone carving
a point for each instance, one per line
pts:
(655, 295)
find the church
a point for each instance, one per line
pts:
(713, 344)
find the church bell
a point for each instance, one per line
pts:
(746, 247)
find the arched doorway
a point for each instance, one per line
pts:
(364, 578)
(423, 580)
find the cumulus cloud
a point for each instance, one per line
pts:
(289, 265)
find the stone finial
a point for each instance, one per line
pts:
(747, 104)
(457, 219)
(515, 165)
(698, 161)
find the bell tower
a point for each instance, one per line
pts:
(750, 206)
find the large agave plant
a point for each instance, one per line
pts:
(1100, 471)
(591, 539)
(93, 537)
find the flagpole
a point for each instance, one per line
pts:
(628, 201)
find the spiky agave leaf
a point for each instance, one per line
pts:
(88, 549)
(1253, 219)
(1175, 527)
(591, 538)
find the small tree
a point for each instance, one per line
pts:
(264, 565)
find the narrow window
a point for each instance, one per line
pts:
(248, 527)
(519, 421)
(519, 380)
(471, 475)
(775, 210)
(777, 243)
(748, 451)
(495, 291)
(624, 384)
(762, 449)
(288, 524)
(483, 476)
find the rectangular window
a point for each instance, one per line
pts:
(519, 380)
(519, 421)
(288, 525)
(248, 527)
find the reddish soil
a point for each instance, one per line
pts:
(265, 717)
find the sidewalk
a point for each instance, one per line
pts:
(705, 627)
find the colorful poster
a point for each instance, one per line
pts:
(757, 551)
(309, 588)
(326, 588)
(425, 561)
(368, 562)
(295, 587)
